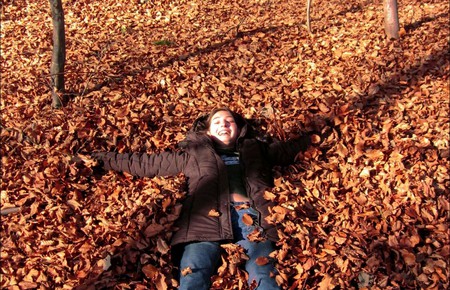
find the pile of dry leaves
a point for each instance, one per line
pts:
(366, 207)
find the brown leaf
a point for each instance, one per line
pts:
(269, 195)
(384, 103)
(261, 261)
(247, 219)
(373, 89)
(324, 108)
(255, 236)
(365, 172)
(27, 285)
(326, 283)
(150, 271)
(315, 139)
(213, 213)
(408, 257)
(186, 271)
(374, 154)
(153, 230)
(182, 91)
(166, 203)
(337, 87)
(162, 246)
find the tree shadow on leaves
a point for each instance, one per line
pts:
(416, 24)
(368, 104)
(184, 57)
(139, 256)
(433, 65)
(373, 98)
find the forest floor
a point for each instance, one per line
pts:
(366, 207)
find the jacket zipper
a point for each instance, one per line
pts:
(247, 186)
(218, 160)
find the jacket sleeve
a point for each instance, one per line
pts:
(284, 152)
(142, 164)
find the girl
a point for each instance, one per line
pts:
(227, 171)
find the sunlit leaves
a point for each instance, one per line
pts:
(366, 206)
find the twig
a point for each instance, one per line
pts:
(21, 136)
(100, 55)
(10, 210)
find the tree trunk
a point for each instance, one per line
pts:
(391, 26)
(308, 15)
(59, 53)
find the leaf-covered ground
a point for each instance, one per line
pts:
(366, 207)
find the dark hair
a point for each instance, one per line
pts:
(201, 124)
(237, 118)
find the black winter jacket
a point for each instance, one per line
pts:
(206, 176)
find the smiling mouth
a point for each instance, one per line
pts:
(223, 133)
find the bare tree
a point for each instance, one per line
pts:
(59, 53)
(391, 26)
(391, 23)
(308, 15)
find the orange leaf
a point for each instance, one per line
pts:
(261, 261)
(150, 271)
(326, 283)
(269, 195)
(162, 246)
(323, 108)
(247, 219)
(408, 257)
(153, 230)
(213, 213)
(255, 236)
(315, 139)
(186, 271)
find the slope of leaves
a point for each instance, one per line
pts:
(366, 207)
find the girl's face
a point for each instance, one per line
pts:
(223, 129)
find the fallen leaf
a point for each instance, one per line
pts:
(186, 271)
(326, 283)
(213, 213)
(247, 219)
(150, 271)
(261, 261)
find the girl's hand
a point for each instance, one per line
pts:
(85, 160)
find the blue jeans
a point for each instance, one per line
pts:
(203, 257)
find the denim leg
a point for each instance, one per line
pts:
(254, 250)
(202, 259)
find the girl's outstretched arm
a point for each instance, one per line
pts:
(284, 152)
(143, 164)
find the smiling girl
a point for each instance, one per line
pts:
(227, 171)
